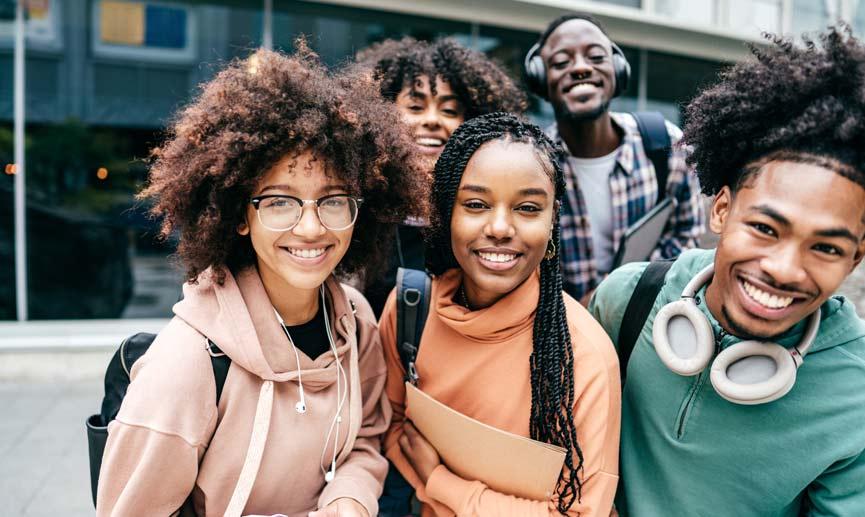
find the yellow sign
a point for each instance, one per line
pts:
(122, 23)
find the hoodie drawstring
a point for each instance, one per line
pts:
(251, 464)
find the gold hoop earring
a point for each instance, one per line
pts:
(551, 250)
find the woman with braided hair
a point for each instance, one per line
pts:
(502, 343)
(435, 86)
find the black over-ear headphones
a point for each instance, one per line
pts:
(536, 71)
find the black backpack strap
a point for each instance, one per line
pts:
(657, 144)
(413, 291)
(637, 311)
(221, 363)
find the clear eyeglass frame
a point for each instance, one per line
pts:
(354, 208)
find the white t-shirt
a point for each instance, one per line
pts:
(593, 176)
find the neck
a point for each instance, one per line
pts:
(477, 298)
(589, 138)
(294, 304)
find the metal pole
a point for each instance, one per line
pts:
(20, 222)
(267, 22)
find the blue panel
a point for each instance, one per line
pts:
(164, 27)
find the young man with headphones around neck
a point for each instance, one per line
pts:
(745, 390)
(611, 181)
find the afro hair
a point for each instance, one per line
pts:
(799, 102)
(481, 85)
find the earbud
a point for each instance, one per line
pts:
(300, 407)
(331, 473)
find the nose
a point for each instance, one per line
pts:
(500, 226)
(431, 118)
(581, 66)
(784, 265)
(309, 224)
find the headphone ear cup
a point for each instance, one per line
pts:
(536, 72)
(683, 337)
(753, 372)
(623, 72)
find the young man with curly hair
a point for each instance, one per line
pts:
(436, 86)
(275, 177)
(745, 390)
(612, 181)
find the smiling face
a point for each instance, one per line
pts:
(502, 219)
(304, 256)
(432, 118)
(580, 74)
(788, 238)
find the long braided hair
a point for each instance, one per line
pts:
(551, 363)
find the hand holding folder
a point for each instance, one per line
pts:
(505, 462)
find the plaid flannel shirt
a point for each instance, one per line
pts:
(634, 191)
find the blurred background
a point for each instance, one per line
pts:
(103, 76)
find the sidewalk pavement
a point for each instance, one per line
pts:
(44, 469)
(43, 443)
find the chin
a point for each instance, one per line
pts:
(583, 113)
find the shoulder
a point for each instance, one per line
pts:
(176, 363)
(593, 349)
(588, 336)
(612, 296)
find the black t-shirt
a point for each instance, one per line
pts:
(311, 337)
(407, 251)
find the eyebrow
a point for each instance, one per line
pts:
(533, 192)
(774, 214)
(842, 233)
(530, 191)
(289, 188)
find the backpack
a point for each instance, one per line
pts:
(638, 309)
(413, 291)
(657, 145)
(117, 382)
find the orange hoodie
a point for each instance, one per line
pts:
(170, 439)
(477, 362)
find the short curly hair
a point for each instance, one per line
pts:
(803, 103)
(258, 110)
(481, 85)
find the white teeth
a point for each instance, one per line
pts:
(765, 299)
(497, 257)
(432, 142)
(583, 88)
(306, 253)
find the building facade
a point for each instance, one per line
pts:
(102, 78)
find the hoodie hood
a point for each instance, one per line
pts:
(839, 322)
(238, 317)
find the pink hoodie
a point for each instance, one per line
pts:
(170, 439)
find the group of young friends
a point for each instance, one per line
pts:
(282, 176)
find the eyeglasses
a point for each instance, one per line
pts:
(279, 212)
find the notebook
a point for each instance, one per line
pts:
(505, 462)
(642, 237)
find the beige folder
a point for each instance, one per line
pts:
(506, 462)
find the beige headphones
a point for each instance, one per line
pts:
(750, 372)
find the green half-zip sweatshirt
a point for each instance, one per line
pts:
(685, 451)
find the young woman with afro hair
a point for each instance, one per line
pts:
(760, 409)
(502, 342)
(436, 86)
(276, 176)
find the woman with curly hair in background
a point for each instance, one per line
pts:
(276, 176)
(436, 86)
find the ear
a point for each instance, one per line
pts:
(243, 228)
(720, 210)
(859, 255)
